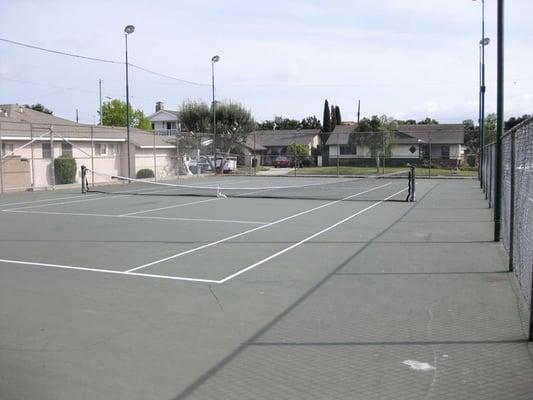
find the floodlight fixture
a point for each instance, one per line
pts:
(129, 29)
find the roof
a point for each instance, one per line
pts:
(283, 137)
(343, 128)
(22, 125)
(160, 115)
(414, 134)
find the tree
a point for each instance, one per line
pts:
(428, 121)
(39, 107)
(471, 136)
(338, 115)
(286, 123)
(310, 123)
(297, 152)
(326, 119)
(234, 123)
(114, 114)
(333, 118)
(377, 134)
(513, 121)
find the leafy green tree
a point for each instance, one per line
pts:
(490, 128)
(234, 123)
(114, 114)
(377, 135)
(471, 136)
(428, 121)
(310, 123)
(39, 107)
(326, 119)
(297, 152)
(513, 121)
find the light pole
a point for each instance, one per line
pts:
(128, 30)
(214, 60)
(482, 43)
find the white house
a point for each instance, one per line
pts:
(164, 122)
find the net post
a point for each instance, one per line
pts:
(84, 183)
(411, 197)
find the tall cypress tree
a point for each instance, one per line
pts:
(326, 120)
(333, 117)
(338, 115)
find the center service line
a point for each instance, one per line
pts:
(242, 271)
(256, 229)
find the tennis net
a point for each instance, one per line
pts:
(397, 186)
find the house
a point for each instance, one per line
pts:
(271, 144)
(411, 144)
(30, 140)
(164, 122)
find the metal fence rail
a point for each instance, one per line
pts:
(517, 203)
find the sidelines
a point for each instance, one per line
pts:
(264, 260)
(107, 271)
(139, 217)
(253, 229)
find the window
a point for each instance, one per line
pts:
(153, 126)
(7, 148)
(445, 152)
(169, 125)
(107, 149)
(66, 149)
(100, 149)
(347, 149)
(47, 150)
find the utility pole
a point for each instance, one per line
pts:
(358, 110)
(100, 92)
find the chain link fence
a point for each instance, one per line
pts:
(516, 202)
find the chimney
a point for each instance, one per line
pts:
(159, 106)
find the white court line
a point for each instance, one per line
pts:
(253, 229)
(242, 271)
(139, 217)
(41, 201)
(92, 198)
(169, 207)
(107, 271)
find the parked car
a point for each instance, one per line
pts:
(283, 162)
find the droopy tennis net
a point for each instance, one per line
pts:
(397, 186)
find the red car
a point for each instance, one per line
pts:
(283, 162)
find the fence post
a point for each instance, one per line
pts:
(511, 204)
(52, 166)
(155, 158)
(32, 158)
(1, 163)
(92, 156)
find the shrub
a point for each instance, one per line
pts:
(145, 173)
(65, 170)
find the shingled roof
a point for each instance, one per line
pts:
(414, 134)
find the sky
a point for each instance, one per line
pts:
(408, 59)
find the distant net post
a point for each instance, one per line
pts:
(412, 183)
(84, 182)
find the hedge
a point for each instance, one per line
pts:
(145, 173)
(65, 170)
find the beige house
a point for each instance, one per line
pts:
(30, 140)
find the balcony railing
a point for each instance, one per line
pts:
(165, 132)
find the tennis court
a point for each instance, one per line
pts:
(249, 287)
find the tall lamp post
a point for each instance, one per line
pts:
(482, 89)
(128, 30)
(214, 60)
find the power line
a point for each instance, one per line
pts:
(103, 60)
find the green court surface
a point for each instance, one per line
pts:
(337, 295)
